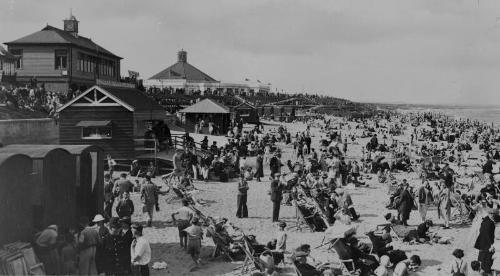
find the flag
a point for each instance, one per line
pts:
(133, 74)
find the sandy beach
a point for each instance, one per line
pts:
(220, 201)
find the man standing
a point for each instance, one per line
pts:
(109, 196)
(242, 211)
(125, 207)
(194, 236)
(140, 252)
(259, 166)
(149, 196)
(88, 239)
(276, 196)
(127, 238)
(406, 204)
(123, 185)
(425, 199)
(182, 218)
(275, 164)
(485, 240)
(115, 261)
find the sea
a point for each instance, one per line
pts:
(488, 114)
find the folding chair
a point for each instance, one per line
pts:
(300, 219)
(250, 258)
(220, 246)
(345, 256)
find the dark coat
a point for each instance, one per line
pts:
(259, 167)
(276, 191)
(117, 258)
(406, 204)
(486, 235)
(125, 208)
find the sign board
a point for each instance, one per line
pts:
(114, 83)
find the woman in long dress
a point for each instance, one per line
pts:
(444, 205)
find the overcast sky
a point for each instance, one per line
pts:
(422, 51)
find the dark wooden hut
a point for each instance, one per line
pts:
(89, 176)
(247, 112)
(113, 118)
(53, 192)
(16, 217)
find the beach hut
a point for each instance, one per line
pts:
(113, 118)
(16, 217)
(89, 172)
(209, 111)
(246, 112)
(53, 192)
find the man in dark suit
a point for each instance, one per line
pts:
(276, 195)
(485, 241)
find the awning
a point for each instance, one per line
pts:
(93, 123)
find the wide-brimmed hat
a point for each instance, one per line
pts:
(98, 218)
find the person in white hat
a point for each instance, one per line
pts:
(103, 232)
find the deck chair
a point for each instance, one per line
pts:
(220, 246)
(345, 256)
(312, 218)
(250, 258)
(300, 219)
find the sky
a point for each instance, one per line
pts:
(397, 51)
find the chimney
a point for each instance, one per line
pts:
(182, 56)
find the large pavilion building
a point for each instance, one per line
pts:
(62, 58)
(189, 79)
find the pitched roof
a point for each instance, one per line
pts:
(130, 98)
(206, 106)
(134, 98)
(53, 35)
(182, 70)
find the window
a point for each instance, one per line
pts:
(61, 59)
(18, 53)
(97, 132)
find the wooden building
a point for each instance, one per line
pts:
(208, 111)
(112, 118)
(52, 194)
(247, 112)
(15, 186)
(89, 175)
(62, 58)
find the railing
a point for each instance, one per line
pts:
(179, 142)
(140, 146)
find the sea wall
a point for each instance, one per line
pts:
(29, 131)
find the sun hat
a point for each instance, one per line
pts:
(98, 218)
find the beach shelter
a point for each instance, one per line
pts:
(209, 111)
(89, 172)
(15, 186)
(53, 192)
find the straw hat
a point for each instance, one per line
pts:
(98, 218)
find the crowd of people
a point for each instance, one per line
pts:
(315, 176)
(33, 97)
